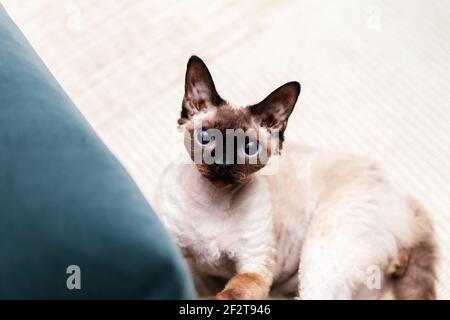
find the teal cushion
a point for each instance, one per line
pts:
(65, 200)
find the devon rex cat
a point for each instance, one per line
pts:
(320, 227)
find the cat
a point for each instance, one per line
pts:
(322, 226)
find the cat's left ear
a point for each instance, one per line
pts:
(200, 91)
(273, 112)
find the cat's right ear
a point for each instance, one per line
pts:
(199, 90)
(273, 112)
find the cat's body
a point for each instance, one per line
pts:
(334, 215)
(323, 226)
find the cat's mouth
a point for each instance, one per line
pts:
(223, 176)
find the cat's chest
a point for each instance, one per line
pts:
(204, 237)
(211, 255)
(212, 229)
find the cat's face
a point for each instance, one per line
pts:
(228, 143)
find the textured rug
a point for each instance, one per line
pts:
(375, 77)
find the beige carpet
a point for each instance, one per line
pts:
(375, 77)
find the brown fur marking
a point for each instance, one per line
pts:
(228, 117)
(418, 280)
(398, 267)
(245, 286)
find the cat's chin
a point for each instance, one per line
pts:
(222, 184)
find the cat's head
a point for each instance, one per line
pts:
(229, 143)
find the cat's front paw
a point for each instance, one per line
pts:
(230, 294)
(245, 286)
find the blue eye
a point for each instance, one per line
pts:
(252, 148)
(203, 137)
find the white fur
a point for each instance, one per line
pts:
(316, 226)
